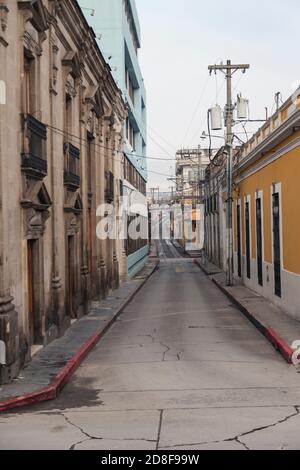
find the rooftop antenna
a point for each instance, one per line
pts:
(91, 10)
(278, 100)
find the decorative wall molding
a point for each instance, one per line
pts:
(36, 13)
(3, 23)
(4, 10)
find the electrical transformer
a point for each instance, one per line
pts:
(216, 118)
(242, 108)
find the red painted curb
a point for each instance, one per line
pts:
(279, 343)
(61, 379)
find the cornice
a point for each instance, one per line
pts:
(243, 174)
(272, 140)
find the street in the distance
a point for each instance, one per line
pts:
(181, 369)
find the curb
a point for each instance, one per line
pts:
(271, 335)
(153, 252)
(274, 338)
(62, 378)
(285, 350)
(203, 268)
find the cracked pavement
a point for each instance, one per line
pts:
(181, 369)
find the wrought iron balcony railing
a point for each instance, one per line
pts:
(34, 159)
(72, 166)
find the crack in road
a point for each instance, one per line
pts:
(154, 341)
(89, 437)
(239, 436)
(159, 428)
(147, 336)
(77, 427)
(166, 351)
(241, 443)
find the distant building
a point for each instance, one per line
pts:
(191, 165)
(215, 209)
(190, 173)
(117, 29)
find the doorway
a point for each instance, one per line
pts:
(259, 241)
(71, 276)
(248, 254)
(276, 244)
(33, 278)
(239, 244)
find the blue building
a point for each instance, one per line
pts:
(117, 28)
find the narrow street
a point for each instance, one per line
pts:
(181, 369)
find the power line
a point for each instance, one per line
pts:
(195, 111)
(162, 138)
(82, 139)
(113, 157)
(204, 118)
(152, 138)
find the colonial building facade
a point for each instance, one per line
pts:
(266, 214)
(266, 210)
(61, 156)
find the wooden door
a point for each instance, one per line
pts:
(239, 244)
(259, 242)
(276, 244)
(248, 253)
(70, 276)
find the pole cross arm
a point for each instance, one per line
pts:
(222, 67)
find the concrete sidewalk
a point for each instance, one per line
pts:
(52, 367)
(278, 327)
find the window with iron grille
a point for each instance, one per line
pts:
(131, 245)
(34, 160)
(72, 166)
(109, 187)
(133, 177)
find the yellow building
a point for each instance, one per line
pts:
(266, 210)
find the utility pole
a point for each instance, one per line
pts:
(152, 191)
(229, 70)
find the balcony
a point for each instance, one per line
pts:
(109, 187)
(34, 159)
(72, 167)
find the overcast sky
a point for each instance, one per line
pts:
(180, 38)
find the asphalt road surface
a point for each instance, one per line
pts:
(181, 369)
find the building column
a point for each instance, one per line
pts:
(56, 165)
(9, 330)
(97, 197)
(116, 158)
(102, 243)
(122, 259)
(84, 195)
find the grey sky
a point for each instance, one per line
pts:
(180, 38)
